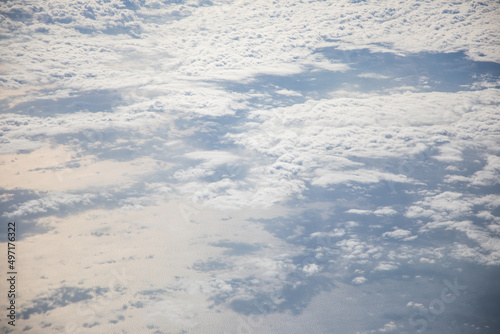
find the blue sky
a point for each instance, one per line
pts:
(252, 167)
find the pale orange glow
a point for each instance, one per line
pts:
(46, 169)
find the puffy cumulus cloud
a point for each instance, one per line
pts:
(222, 194)
(178, 59)
(311, 269)
(341, 141)
(385, 211)
(337, 232)
(78, 46)
(359, 280)
(426, 260)
(373, 76)
(389, 327)
(453, 211)
(288, 92)
(51, 22)
(357, 176)
(441, 207)
(356, 249)
(449, 154)
(224, 41)
(376, 126)
(475, 254)
(213, 160)
(485, 245)
(489, 175)
(439, 25)
(18, 145)
(168, 67)
(415, 305)
(386, 266)
(398, 234)
(236, 181)
(23, 132)
(491, 201)
(52, 202)
(359, 211)
(249, 279)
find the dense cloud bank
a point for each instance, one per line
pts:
(249, 165)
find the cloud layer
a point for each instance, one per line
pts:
(232, 166)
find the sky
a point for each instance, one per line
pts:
(251, 166)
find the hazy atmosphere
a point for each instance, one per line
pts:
(257, 167)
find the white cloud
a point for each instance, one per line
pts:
(337, 232)
(441, 207)
(22, 129)
(386, 266)
(397, 234)
(50, 202)
(311, 269)
(389, 327)
(225, 161)
(416, 305)
(449, 154)
(204, 46)
(174, 64)
(385, 211)
(487, 248)
(476, 254)
(489, 175)
(356, 249)
(357, 176)
(288, 92)
(225, 40)
(359, 211)
(321, 140)
(373, 76)
(358, 280)
(426, 260)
